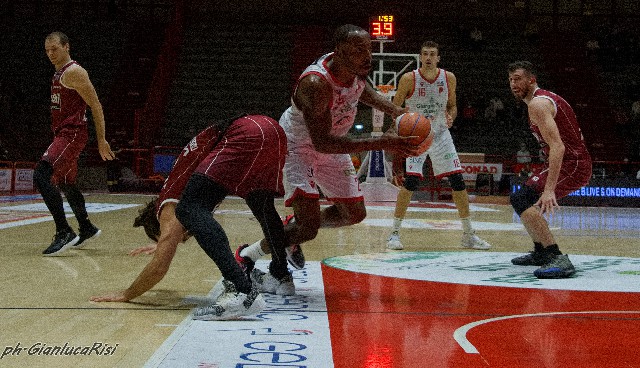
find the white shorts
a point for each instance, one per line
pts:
(307, 172)
(443, 155)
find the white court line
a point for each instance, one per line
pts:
(460, 335)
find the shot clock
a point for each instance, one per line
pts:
(382, 27)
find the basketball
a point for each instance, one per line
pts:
(414, 124)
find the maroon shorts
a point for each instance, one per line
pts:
(249, 157)
(63, 154)
(573, 176)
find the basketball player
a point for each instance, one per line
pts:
(431, 91)
(242, 156)
(566, 169)
(324, 105)
(71, 93)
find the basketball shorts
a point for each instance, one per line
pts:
(574, 175)
(443, 155)
(63, 154)
(307, 172)
(249, 157)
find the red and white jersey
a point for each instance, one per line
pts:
(429, 98)
(186, 163)
(570, 133)
(343, 106)
(68, 109)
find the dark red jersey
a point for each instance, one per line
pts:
(68, 109)
(570, 133)
(186, 163)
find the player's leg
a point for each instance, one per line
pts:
(278, 279)
(76, 200)
(199, 198)
(54, 163)
(409, 185)
(446, 162)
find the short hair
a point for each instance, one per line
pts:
(148, 220)
(430, 45)
(524, 65)
(64, 39)
(343, 33)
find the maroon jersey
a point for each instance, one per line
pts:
(575, 171)
(565, 118)
(249, 157)
(68, 109)
(186, 163)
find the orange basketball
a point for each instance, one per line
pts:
(414, 124)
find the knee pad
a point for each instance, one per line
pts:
(523, 199)
(411, 183)
(457, 182)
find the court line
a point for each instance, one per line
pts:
(460, 334)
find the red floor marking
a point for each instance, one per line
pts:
(378, 321)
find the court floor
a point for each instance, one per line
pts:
(431, 305)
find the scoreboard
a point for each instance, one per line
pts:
(382, 27)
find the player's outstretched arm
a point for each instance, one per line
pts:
(171, 233)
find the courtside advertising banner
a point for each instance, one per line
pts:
(24, 179)
(5, 179)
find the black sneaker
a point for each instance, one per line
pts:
(62, 241)
(533, 259)
(559, 267)
(87, 233)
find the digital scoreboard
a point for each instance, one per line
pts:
(382, 27)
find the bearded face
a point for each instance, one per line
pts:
(521, 83)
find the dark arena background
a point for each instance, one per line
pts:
(164, 70)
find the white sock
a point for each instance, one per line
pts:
(397, 223)
(466, 225)
(254, 251)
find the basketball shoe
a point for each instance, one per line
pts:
(232, 304)
(393, 242)
(473, 241)
(533, 258)
(294, 251)
(559, 267)
(245, 263)
(87, 233)
(270, 285)
(62, 241)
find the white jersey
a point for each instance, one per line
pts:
(429, 98)
(344, 106)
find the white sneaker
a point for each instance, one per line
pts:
(231, 305)
(394, 241)
(270, 285)
(472, 241)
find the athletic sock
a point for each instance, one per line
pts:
(254, 251)
(466, 225)
(553, 249)
(397, 223)
(538, 247)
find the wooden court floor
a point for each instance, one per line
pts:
(45, 300)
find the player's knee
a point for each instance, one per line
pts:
(42, 173)
(411, 183)
(523, 199)
(457, 182)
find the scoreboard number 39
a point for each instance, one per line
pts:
(382, 27)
